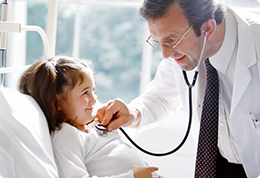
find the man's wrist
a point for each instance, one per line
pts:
(135, 119)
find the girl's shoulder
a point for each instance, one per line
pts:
(65, 129)
(67, 133)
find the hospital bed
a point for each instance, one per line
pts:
(25, 145)
(26, 150)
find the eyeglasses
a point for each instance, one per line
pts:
(158, 45)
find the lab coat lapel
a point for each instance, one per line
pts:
(246, 57)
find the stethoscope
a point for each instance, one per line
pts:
(101, 129)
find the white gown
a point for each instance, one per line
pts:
(80, 154)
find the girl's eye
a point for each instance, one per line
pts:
(86, 92)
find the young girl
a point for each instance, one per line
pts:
(64, 89)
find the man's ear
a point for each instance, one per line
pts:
(208, 27)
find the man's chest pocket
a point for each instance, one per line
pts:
(255, 122)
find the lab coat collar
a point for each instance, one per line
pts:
(222, 58)
(246, 57)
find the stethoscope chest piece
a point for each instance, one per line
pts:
(101, 129)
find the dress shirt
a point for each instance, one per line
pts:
(224, 61)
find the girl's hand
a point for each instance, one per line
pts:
(144, 172)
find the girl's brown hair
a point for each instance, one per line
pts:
(47, 77)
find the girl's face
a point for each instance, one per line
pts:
(79, 101)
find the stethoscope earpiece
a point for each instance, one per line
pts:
(205, 29)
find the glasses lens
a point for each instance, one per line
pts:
(154, 43)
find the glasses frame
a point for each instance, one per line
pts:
(167, 45)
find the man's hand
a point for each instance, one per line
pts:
(115, 114)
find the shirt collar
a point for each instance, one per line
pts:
(222, 58)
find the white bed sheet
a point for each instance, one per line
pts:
(25, 145)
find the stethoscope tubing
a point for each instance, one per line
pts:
(188, 128)
(175, 149)
(190, 86)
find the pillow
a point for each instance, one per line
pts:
(25, 144)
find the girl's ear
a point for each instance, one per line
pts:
(209, 27)
(58, 102)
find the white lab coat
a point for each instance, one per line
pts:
(168, 92)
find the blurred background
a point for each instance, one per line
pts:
(110, 33)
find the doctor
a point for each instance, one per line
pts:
(178, 28)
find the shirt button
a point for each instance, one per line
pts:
(222, 124)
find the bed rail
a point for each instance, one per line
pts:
(48, 39)
(17, 28)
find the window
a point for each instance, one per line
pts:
(110, 33)
(112, 38)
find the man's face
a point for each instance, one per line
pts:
(169, 29)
